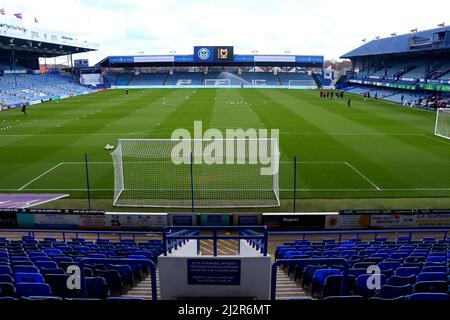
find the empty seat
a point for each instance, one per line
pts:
(432, 276)
(429, 297)
(401, 281)
(96, 287)
(28, 277)
(58, 283)
(26, 289)
(25, 269)
(431, 286)
(7, 289)
(391, 292)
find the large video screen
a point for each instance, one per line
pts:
(210, 54)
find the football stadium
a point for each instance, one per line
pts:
(222, 173)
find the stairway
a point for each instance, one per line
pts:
(144, 289)
(287, 288)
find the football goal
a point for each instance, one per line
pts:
(225, 173)
(302, 84)
(217, 82)
(442, 128)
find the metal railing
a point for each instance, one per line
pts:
(340, 233)
(77, 233)
(176, 236)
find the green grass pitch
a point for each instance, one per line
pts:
(375, 150)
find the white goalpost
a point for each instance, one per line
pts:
(259, 82)
(442, 128)
(217, 82)
(166, 173)
(301, 84)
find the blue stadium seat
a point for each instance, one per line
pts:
(25, 269)
(96, 287)
(58, 284)
(407, 271)
(391, 292)
(401, 281)
(361, 285)
(7, 289)
(46, 271)
(28, 277)
(432, 276)
(429, 297)
(344, 298)
(6, 278)
(26, 289)
(46, 264)
(320, 277)
(431, 286)
(5, 270)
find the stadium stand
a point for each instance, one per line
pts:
(148, 79)
(261, 78)
(410, 269)
(413, 66)
(19, 88)
(31, 267)
(297, 79)
(185, 78)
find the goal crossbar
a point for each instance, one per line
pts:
(146, 174)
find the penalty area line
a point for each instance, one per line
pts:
(38, 177)
(362, 175)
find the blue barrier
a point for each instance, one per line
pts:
(32, 232)
(175, 236)
(303, 263)
(358, 233)
(145, 262)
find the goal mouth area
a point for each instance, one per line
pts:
(219, 201)
(146, 174)
(442, 126)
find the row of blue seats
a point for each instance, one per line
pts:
(40, 266)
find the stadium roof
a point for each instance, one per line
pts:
(189, 61)
(40, 44)
(422, 41)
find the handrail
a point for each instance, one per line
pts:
(32, 232)
(146, 262)
(410, 232)
(193, 233)
(305, 262)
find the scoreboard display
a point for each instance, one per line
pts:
(210, 54)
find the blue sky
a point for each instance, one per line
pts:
(322, 27)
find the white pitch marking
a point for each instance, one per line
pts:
(37, 178)
(362, 175)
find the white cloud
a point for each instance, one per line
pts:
(322, 27)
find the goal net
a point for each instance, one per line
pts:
(302, 84)
(259, 82)
(226, 173)
(217, 82)
(442, 128)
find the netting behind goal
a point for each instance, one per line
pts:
(442, 128)
(217, 82)
(146, 175)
